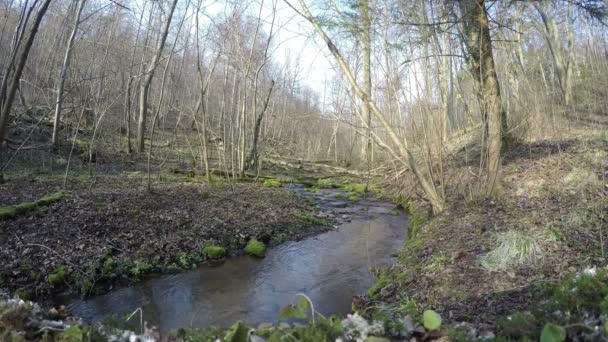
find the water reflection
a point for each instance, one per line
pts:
(329, 268)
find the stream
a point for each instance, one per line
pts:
(330, 268)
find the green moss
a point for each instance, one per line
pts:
(58, 277)
(327, 184)
(108, 266)
(352, 197)
(255, 248)
(214, 252)
(51, 198)
(7, 212)
(85, 284)
(141, 267)
(394, 213)
(24, 294)
(183, 259)
(339, 195)
(358, 188)
(25, 207)
(383, 281)
(272, 183)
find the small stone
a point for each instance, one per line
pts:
(419, 330)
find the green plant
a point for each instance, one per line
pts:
(431, 320)
(214, 252)
(553, 333)
(352, 197)
(183, 259)
(255, 248)
(141, 267)
(24, 294)
(57, 277)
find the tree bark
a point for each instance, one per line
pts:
(480, 53)
(430, 191)
(8, 92)
(149, 75)
(64, 72)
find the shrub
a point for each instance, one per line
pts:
(255, 248)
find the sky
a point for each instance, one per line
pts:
(296, 38)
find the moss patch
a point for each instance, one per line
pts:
(57, 278)
(255, 248)
(14, 210)
(272, 183)
(214, 252)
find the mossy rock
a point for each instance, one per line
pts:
(214, 252)
(272, 183)
(255, 248)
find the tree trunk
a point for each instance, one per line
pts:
(365, 37)
(149, 75)
(64, 72)
(480, 53)
(430, 191)
(252, 159)
(8, 92)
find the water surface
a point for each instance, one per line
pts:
(330, 268)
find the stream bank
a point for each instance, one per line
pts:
(110, 233)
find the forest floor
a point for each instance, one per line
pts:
(110, 232)
(484, 259)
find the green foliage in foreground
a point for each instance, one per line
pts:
(576, 307)
(255, 248)
(14, 210)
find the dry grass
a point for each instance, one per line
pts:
(514, 249)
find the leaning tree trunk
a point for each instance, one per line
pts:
(149, 75)
(407, 158)
(7, 93)
(479, 46)
(64, 72)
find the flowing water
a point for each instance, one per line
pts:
(330, 268)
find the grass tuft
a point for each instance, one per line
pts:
(514, 249)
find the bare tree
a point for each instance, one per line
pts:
(64, 70)
(148, 76)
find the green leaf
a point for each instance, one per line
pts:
(303, 305)
(293, 311)
(237, 332)
(431, 320)
(553, 333)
